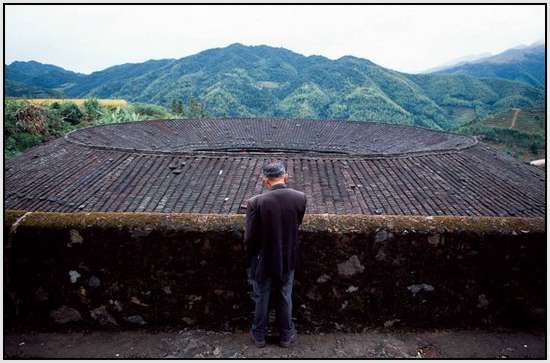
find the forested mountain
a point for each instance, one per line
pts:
(526, 64)
(41, 75)
(243, 80)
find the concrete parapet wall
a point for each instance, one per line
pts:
(355, 271)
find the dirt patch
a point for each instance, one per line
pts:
(516, 113)
(208, 344)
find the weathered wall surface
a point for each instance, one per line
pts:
(132, 269)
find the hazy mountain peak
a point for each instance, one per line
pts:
(521, 63)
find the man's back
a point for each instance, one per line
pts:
(271, 232)
(271, 237)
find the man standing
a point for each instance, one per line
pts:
(271, 237)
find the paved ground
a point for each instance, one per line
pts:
(199, 343)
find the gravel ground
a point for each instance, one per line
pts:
(207, 344)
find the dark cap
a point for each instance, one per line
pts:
(274, 170)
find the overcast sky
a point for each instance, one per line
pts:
(406, 38)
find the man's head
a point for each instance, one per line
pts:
(274, 173)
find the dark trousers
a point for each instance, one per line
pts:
(282, 293)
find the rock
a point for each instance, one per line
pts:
(167, 290)
(76, 238)
(381, 255)
(382, 236)
(313, 294)
(136, 301)
(415, 289)
(434, 239)
(102, 316)
(390, 323)
(350, 267)
(237, 235)
(176, 171)
(41, 294)
(429, 352)
(482, 301)
(352, 289)
(188, 321)
(323, 278)
(217, 351)
(194, 297)
(83, 295)
(141, 232)
(74, 276)
(116, 305)
(94, 281)
(65, 315)
(136, 319)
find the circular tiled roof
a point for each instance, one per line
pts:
(214, 166)
(286, 135)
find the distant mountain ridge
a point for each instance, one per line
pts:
(243, 80)
(457, 62)
(525, 64)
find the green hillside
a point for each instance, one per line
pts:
(519, 131)
(264, 81)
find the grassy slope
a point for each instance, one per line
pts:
(524, 138)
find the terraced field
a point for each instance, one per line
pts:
(518, 131)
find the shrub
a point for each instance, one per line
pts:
(71, 113)
(16, 132)
(92, 109)
(31, 118)
(149, 111)
(120, 114)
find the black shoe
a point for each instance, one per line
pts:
(257, 343)
(289, 342)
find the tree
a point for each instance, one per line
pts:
(196, 109)
(177, 107)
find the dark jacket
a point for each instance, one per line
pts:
(271, 234)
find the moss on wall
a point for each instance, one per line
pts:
(312, 222)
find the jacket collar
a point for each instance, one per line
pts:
(279, 186)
